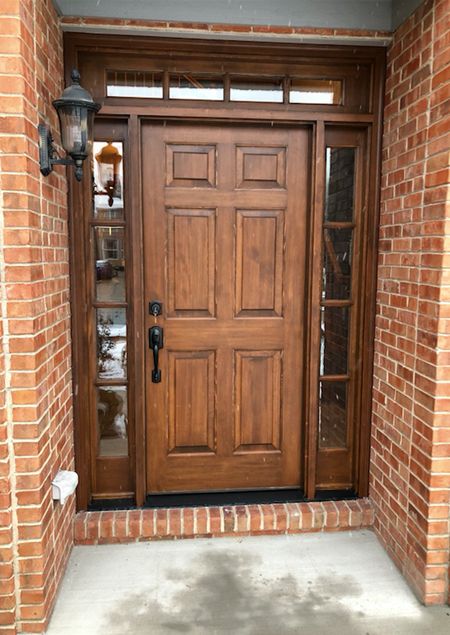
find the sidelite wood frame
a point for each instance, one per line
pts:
(351, 123)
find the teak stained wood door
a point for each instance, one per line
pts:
(224, 211)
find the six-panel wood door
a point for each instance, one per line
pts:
(225, 211)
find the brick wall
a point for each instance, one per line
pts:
(35, 380)
(7, 587)
(410, 473)
(411, 436)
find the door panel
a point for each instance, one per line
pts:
(260, 167)
(191, 398)
(191, 262)
(224, 251)
(259, 262)
(257, 401)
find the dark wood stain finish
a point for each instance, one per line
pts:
(227, 252)
(227, 324)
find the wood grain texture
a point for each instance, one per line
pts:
(261, 167)
(191, 399)
(255, 236)
(191, 238)
(190, 165)
(257, 401)
(259, 262)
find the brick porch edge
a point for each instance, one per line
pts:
(109, 527)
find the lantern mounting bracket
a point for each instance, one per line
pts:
(48, 156)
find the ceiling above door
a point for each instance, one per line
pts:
(383, 15)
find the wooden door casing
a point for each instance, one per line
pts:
(94, 55)
(225, 227)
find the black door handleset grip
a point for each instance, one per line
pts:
(156, 343)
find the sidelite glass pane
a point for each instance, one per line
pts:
(340, 184)
(333, 414)
(253, 89)
(315, 91)
(112, 421)
(111, 343)
(187, 86)
(337, 263)
(108, 180)
(109, 264)
(334, 326)
(134, 84)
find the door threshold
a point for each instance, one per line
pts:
(135, 525)
(220, 499)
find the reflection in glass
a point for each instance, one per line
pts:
(340, 182)
(334, 327)
(108, 180)
(264, 90)
(111, 343)
(109, 264)
(112, 421)
(134, 84)
(186, 86)
(333, 414)
(315, 91)
(337, 263)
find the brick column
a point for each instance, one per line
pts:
(410, 473)
(35, 380)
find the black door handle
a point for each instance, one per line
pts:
(156, 342)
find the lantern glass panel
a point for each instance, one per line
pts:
(76, 129)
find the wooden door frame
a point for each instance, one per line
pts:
(132, 112)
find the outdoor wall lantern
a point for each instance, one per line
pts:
(76, 110)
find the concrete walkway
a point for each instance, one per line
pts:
(311, 584)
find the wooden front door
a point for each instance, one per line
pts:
(224, 212)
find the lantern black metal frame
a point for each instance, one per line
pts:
(78, 103)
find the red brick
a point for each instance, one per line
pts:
(201, 520)
(214, 520)
(148, 523)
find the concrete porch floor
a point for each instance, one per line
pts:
(271, 585)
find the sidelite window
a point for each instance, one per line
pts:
(336, 296)
(223, 269)
(110, 306)
(341, 226)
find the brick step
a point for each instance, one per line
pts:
(109, 527)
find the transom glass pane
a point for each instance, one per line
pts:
(134, 84)
(315, 91)
(254, 89)
(187, 86)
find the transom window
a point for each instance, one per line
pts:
(235, 88)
